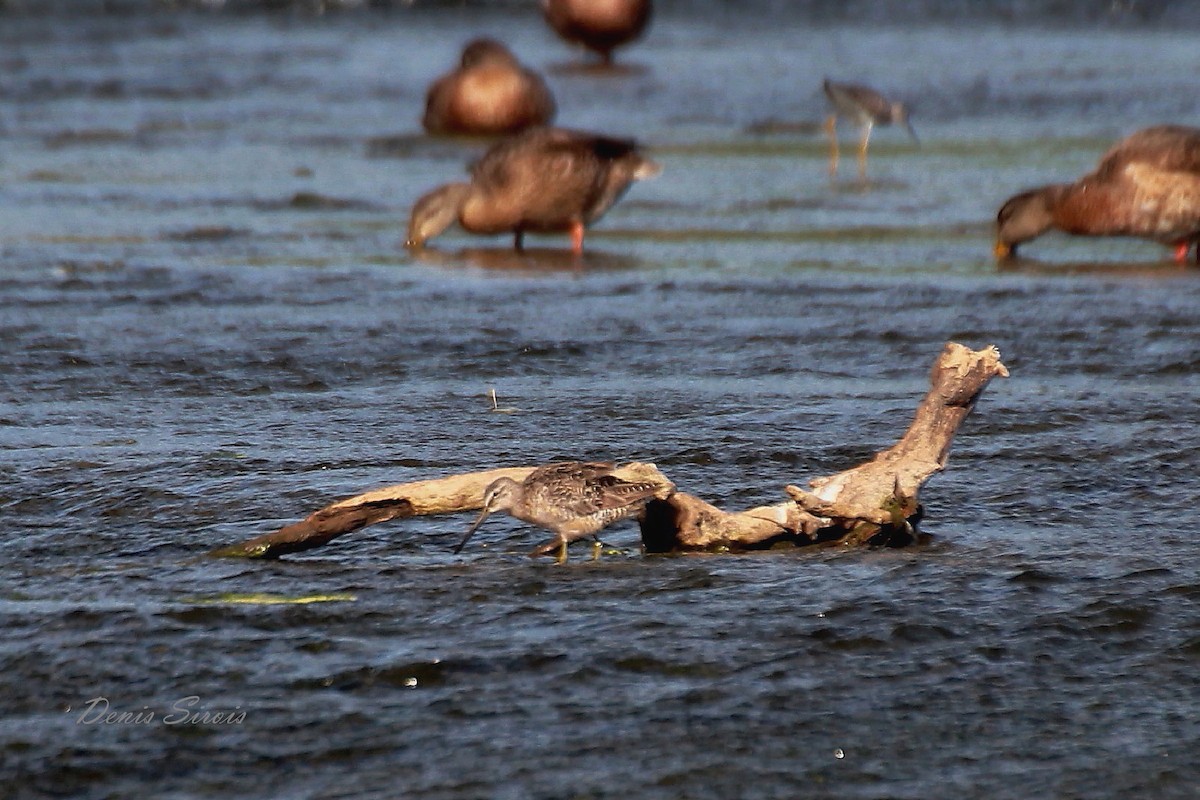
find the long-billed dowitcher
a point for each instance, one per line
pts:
(542, 180)
(490, 93)
(573, 499)
(866, 108)
(1147, 185)
(599, 25)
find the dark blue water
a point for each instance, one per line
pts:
(208, 329)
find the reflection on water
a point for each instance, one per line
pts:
(1166, 268)
(209, 328)
(530, 259)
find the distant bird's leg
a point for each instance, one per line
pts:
(862, 151)
(597, 549)
(831, 130)
(562, 551)
(576, 231)
(1181, 252)
(519, 240)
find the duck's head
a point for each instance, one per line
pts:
(434, 212)
(1023, 217)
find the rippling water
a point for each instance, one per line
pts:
(208, 329)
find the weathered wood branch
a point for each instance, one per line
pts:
(449, 495)
(438, 496)
(869, 492)
(875, 502)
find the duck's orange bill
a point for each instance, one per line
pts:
(1002, 250)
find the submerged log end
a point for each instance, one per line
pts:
(317, 529)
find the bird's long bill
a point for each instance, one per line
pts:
(474, 526)
(911, 131)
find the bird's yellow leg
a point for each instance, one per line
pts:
(562, 552)
(831, 130)
(597, 549)
(862, 152)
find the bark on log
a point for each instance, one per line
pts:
(873, 503)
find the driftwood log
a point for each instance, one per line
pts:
(874, 503)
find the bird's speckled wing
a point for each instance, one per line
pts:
(609, 493)
(586, 488)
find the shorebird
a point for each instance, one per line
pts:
(599, 25)
(866, 108)
(573, 499)
(542, 180)
(490, 93)
(1147, 185)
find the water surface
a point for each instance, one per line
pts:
(208, 329)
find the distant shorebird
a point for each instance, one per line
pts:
(1147, 185)
(490, 93)
(866, 108)
(573, 499)
(542, 180)
(599, 25)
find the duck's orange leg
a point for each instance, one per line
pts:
(576, 231)
(1181, 252)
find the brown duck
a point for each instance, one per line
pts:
(1147, 185)
(573, 499)
(491, 93)
(599, 25)
(543, 180)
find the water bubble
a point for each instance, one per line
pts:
(410, 682)
(839, 753)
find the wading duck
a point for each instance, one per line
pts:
(1147, 185)
(599, 25)
(542, 180)
(489, 94)
(865, 108)
(572, 499)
